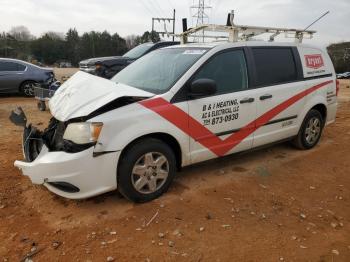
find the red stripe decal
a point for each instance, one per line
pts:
(183, 121)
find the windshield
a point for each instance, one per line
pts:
(158, 71)
(138, 51)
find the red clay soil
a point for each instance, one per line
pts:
(274, 204)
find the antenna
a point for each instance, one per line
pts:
(230, 18)
(318, 19)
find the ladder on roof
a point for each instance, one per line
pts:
(237, 33)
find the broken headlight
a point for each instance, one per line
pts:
(83, 133)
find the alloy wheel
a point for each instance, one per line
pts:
(150, 172)
(313, 130)
(28, 89)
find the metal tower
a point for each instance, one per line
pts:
(200, 13)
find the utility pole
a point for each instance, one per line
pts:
(200, 13)
(163, 21)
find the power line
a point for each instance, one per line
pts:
(152, 7)
(156, 8)
(147, 8)
(171, 4)
(216, 7)
(160, 8)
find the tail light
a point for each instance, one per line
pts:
(337, 87)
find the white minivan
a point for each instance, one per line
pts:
(175, 107)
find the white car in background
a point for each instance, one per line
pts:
(175, 107)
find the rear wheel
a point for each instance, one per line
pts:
(310, 131)
(27, 88)
(146, 170)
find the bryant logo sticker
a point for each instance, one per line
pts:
(314, 61)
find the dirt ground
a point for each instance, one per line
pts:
(62, 73)
(274, 204)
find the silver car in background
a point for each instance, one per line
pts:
(17, 76)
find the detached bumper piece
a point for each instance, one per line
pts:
(32, 141)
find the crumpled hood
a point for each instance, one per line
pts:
(84, 93)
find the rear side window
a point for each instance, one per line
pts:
(20, 67)
(11, 66)
(274, 66)
(228, 70)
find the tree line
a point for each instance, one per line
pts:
(53, 47)
(340, 55)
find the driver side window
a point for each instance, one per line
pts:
(228, 70)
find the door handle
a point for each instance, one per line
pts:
(247, 100)
(264, 97)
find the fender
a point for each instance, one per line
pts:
(126, 124)
(314, 99)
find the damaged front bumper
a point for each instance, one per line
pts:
(70, 174)
(73, 175)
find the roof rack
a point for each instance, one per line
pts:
(237, 33)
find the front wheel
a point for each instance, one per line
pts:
(146, 170)
(310, 131)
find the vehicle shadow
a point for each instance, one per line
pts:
(206, 174)
(191, 180)
(12, 95)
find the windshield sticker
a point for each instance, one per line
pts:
(194, 52)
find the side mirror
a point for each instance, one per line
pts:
(202, 87)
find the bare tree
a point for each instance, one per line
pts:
(21, 33)
(55, 35)
(131, 41)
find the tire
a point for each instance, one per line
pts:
(27, 88)
(146, 170)
(310, 131)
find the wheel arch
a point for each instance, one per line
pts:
(24, 81)
(317, 102)
(164, 137)
(322, 108)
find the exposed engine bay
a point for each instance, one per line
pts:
(52, 136)
(34, 139)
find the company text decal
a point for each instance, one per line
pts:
(197, 130)
(314, 61)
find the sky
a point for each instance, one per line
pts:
(128, 17)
